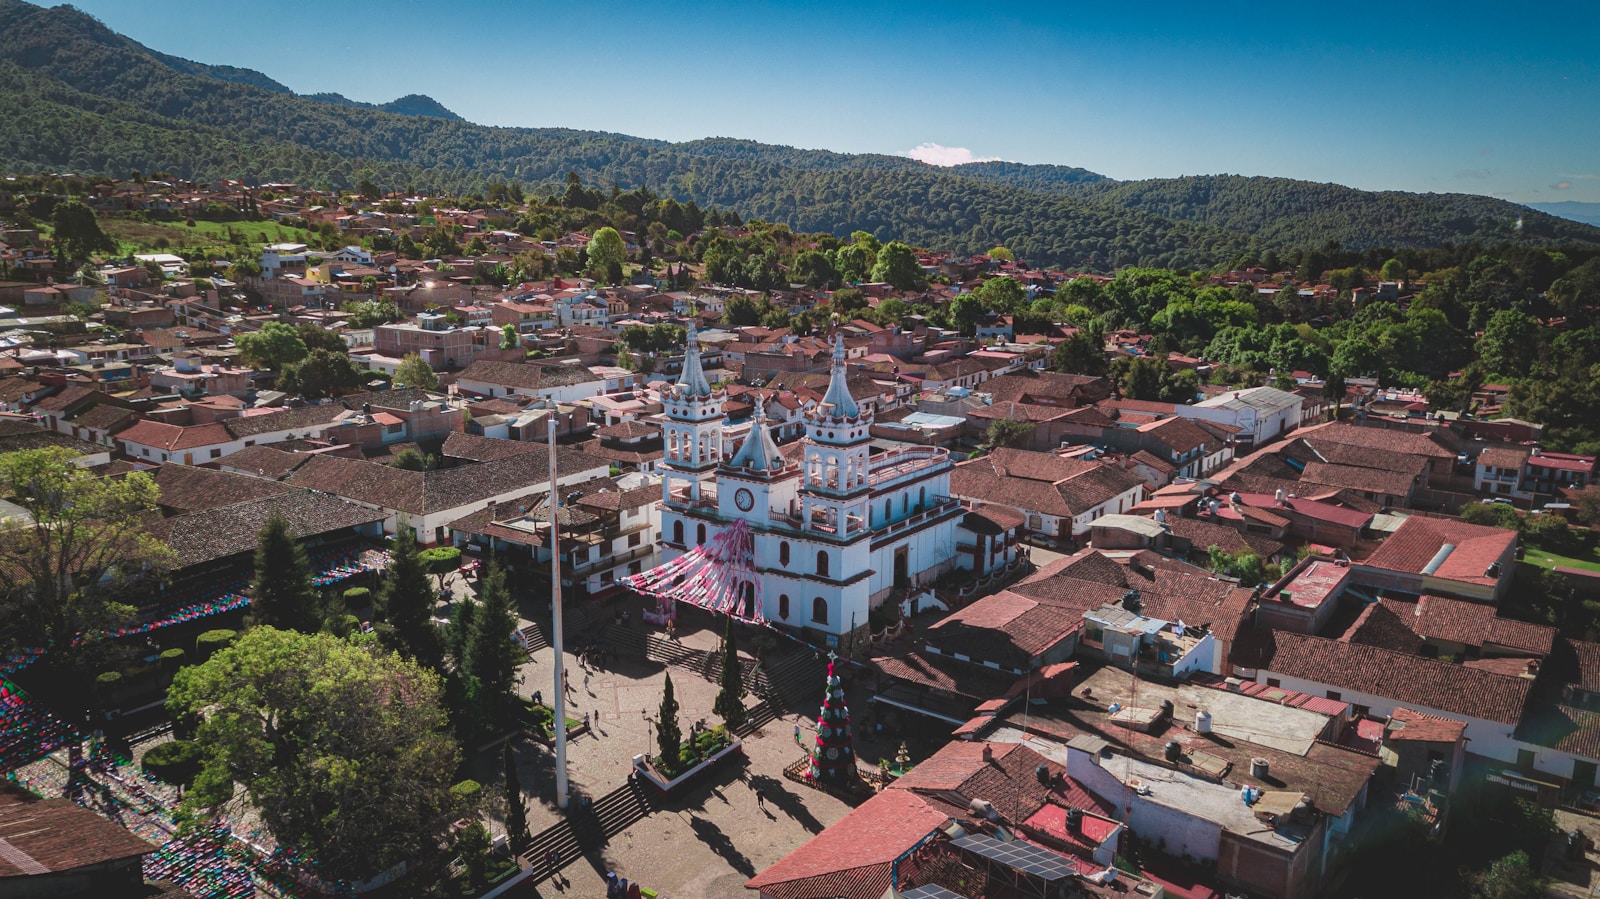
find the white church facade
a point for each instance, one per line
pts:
(835, 531)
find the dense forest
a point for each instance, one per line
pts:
(77, 96)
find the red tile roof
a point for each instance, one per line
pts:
(1407, 679)
(1406, 724)
(1477, 624)
(169, 437)
(855, 852)
(1415, 543)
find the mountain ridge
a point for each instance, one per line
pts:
(132, 107)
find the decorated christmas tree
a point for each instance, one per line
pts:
(832, 759)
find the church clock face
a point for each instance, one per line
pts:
(744, 499)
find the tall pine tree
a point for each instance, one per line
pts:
(492, 653)
(285, 596)
(669, 739)
(833, 758)
(406, 604)
(516, 812)
(730, 702)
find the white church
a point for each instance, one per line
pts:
(836, 533)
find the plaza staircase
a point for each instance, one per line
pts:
(533, 639)
(795, 681)
(586, 829)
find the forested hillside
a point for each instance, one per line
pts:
(76, 96)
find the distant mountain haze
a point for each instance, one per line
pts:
(76, 96)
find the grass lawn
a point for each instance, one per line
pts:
(142, 237)
(1543, 558)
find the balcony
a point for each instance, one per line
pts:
(938, 506)
(891, 467)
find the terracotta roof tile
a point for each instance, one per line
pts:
(1408, 679)
(1414, 545)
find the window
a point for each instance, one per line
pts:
(677, 532)
(822, 562)
(216, 454)
(783, 554)
(1333, 695)
(819, 610)
(700, 535)
(1274, 682)
(633, 539)
(783, 605)
(888, 510)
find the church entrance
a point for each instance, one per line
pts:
(902, 566)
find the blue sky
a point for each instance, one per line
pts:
(1500, 99)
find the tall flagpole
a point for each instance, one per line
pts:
(555, 621)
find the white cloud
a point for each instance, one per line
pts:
(935, 154)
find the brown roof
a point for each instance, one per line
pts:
(21, 435)
(1406, 724)
(1388, 624)
(422, 492)
(527, 377)
(1205, 534)
(1416, 542)
(1408, 679)
(223, 531)
(1477, 624)
(1047, 385)
(1351, 477)
(265, 461)
(854, 854)
(1378, 438)
(932, 671)
(188, 488)
(1006, 628)
(629, 430)
(1180, 435)
(48, 835)
(478, 448)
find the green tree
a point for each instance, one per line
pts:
(1005, 432)
(1003, 295)
(1510, 343)
(1142, 378)
(1083, 353)
(284, 596)
(607, 250)
(669, 738)
(516, 809)
(509, 338)
(1511, 877)
(740, 312)
(897, 266)
(414, 371)
(323, 373)
(409, 459)
(730, 699)
(1001, 254)
(405, 604)
(82, 538)
(813, 269)
(1393, 270)
(368, 313)
(474, 847)
(1246, 566)
(965, 313)
(77, 233)
(274, 346)
(340, 748)
(1500, 515)
(492, 652)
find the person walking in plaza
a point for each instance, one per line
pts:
(761, 799)
(797, 736)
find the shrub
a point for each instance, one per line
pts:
(175, 761)
(357, 598)
(109, 679)
(440, 559)
(467, 792)
(214, 641)
(173, 656)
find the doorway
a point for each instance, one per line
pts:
(902, 566)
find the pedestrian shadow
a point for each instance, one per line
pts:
(718, 842)
(786, 801)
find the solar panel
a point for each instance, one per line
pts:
(931, 891)
(1018, 856)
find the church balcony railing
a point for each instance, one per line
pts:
(905, 463)
(936, 507)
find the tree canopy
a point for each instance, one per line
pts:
(274, 346)
(83, 537)
(341, 748)
(414, 371)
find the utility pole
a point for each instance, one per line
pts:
(555, 621)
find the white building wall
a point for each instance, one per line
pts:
(1181, 832)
